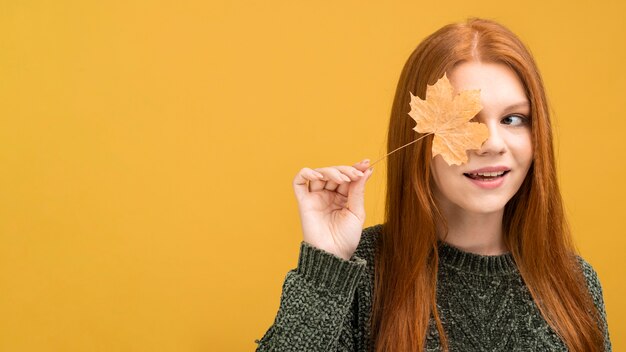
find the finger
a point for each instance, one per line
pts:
(350, 171)
(321, 185)
(339, 179)
(357, 174)
(356, 195)
(332, 179)
(333, 174)
(302, 180)
(362, 165)
(331, 186)
(343, 189)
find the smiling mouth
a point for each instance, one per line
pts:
(486, 176)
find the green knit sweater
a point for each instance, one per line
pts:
(483, 302)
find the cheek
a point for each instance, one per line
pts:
(442, 174)
(438, 169)
(524, 150)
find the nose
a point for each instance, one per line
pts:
(495, 144)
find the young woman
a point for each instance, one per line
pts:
(471, 257)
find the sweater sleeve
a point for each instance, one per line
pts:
(316, 298)
(595, 288)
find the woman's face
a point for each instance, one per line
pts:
(506, 112)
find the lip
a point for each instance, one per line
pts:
(489, 169)
(489, 184)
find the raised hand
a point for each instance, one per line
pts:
(331, 205)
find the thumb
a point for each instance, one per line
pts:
(356, 195)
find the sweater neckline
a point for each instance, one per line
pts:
(486, 265)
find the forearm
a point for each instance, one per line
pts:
(315, 300)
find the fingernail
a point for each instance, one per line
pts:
(365, 161)
(358, 172)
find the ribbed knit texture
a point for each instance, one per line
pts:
(326, 303)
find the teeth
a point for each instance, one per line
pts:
(491, 174)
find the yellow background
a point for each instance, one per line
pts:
(147, 151)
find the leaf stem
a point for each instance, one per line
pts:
(393, 151)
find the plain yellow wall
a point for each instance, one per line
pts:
(147, 151)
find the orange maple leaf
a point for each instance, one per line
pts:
(447, 116)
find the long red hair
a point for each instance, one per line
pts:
(534, 224)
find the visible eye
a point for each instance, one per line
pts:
(511, 119)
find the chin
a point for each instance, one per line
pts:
(484, 208)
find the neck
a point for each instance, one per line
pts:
(479, 233)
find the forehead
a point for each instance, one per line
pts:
(499, 85)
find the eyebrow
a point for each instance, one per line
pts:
(523, 104)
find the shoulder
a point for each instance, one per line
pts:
(595, 289)
(589, 272)
(593, 282)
